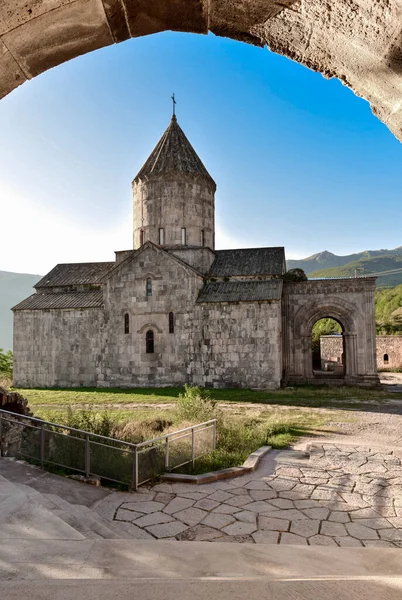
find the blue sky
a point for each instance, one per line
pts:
(299, 161)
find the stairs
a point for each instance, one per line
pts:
(28, 513)
(54, 545)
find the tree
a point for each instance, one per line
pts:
(295, 275)
(6, 362)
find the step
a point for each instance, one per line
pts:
(38, 560)
(381, 588)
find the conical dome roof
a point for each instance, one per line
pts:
(173, 154)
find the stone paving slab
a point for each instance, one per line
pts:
(333, 495)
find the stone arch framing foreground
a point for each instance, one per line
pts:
(351, 303)
(360, 43)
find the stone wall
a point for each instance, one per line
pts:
(175, 288)
(331, 349)
(390, 345)
(199, 258)
(56, 348)
(220, 345)
(239, 345)
(172, 205)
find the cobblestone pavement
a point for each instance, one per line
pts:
(331, 496)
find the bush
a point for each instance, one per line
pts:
(196, 405)
(89, 420)
(6, 363)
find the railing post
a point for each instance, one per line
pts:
(42, 446)
(167, 453)
(192, 447)
(134, 475)
(87, 456)
(214, 436)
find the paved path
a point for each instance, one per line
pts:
(334, 496)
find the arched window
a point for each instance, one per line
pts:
(183, 236)
(386, 359)
(202, 237)
(149, 287)
(126, 323)
(161, 236)
(149, 339)
(141, 237)
(171, 322)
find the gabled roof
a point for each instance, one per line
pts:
(148, 244)
(93, 299)
(241, 291)
(174, 154)
(76, 274)
(248, 262)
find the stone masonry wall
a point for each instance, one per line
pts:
(174, 289)
(238, 345)
(331, 349)
(172, 205)
(56, 348)
(390, 345)
(219, 345)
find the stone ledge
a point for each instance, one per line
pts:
(249, 465)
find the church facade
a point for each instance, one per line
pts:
(174, 310)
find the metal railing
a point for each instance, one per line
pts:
(100, 456)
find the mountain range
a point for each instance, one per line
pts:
(14, 287)
(326, 264)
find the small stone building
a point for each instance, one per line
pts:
(389, 351)
(174, 310)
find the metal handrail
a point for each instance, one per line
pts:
(168, 435)
(43, 422)
(134, 450)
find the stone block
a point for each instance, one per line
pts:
(167, 530)
(60, 35)
(265, 537)
(152, 16)
(218, 521)
(153, 519)
(273, 523)
(240, 528)
(191, 516)
(291, 538)
(305, 528)
(178, 504)
(11, 74)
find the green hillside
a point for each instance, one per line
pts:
(365, 266)
(14, 287)
(388, 310)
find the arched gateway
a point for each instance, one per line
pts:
(348, 301)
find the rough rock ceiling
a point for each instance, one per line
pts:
(358, 41)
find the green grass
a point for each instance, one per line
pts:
(116, 399)
(247, 419)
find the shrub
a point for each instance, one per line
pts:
(90, 420)
(6, 363)
(196, 405)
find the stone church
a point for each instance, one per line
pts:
(174, 310)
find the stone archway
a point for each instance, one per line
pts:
(360, 43)
(348, 301)
(342, 311)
